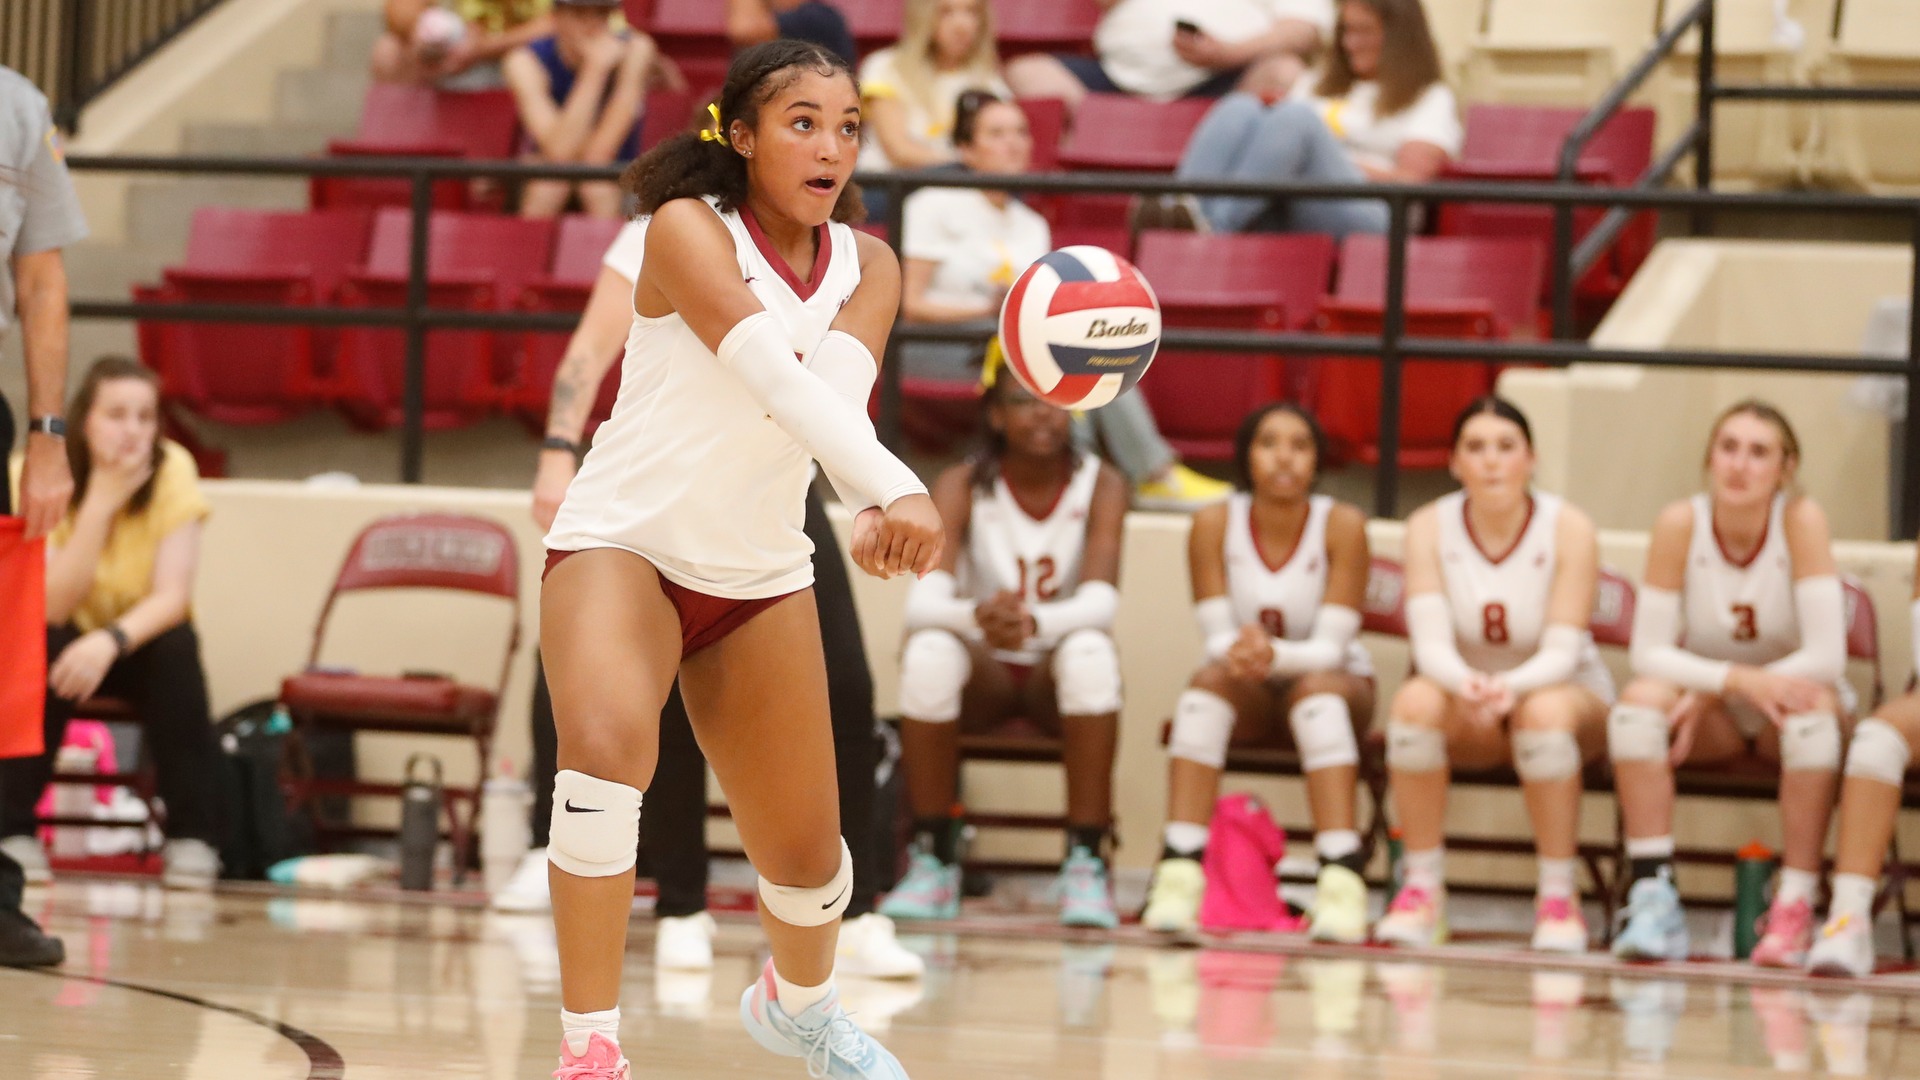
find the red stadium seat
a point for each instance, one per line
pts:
(694, 33)
(1345, 392)
(234, 373)
(1504, 273)
(1290, 270)
(413, 121)
(875, 23)
(670, 112)
(476, 262)
(1022, 26)
(1116, 131)
(1047, 123)
(578, 249)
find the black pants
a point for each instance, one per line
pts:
(12, 879)
(167, 687)
(673, 821)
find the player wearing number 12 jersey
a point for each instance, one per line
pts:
(1016, 621)
(1500, 586)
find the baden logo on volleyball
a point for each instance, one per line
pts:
(1080, 327)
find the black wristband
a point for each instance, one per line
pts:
(119, 637)
(48, 425)
(555, 442)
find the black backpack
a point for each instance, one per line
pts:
(258, 751)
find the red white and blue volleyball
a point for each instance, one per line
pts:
(1080, 327)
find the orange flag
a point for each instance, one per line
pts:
(23, 639)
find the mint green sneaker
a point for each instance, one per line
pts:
(931, 890)
(833, 1046)
(1085, 899)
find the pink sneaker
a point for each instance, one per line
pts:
(1415, 918)
(602, 1061)
(1558, 926)
(1786, 933)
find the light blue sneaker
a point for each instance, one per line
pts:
(831, 1044)
(1085, 899)
(1652, 925)
(931, 890)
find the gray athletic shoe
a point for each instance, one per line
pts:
(189, 864)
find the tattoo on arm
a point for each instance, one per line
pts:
(572, 399)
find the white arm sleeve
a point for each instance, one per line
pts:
(1656, 651)
(932, 604)
(1215, 616)
(838, 435)
(1553, 662)
(1334, 629)
(1822, 655)
(844, 362)
(1091, 607)
(1435, 653)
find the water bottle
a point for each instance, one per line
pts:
(505, 837)
(1752, 871)
(419, 823)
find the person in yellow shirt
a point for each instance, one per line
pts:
(462, 53)
(120, 570)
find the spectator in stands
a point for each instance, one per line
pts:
(458, 47)
(1166, 49)
(580, 91)
(1379, 110)
(750, 22)
(909, 90)
(963, 250)
(120, 570)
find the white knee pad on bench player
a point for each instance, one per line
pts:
(1810, 742)
(817, 906)
(1414, 748)
(1540, 756)
(1086, 674)
(1202, 727)
(1323, 732)
(934, 668)
(1637, 733)
(595, 830)
(1879, 752)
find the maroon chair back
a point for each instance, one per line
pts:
(1118, 131)
(1022, 26)
(1190, 270)
(1504, 272)
(1863, 634)
(1047, 123)
(1613, 605)
(1345, 392)
(1384, 610)
(433, 551)
(579, 245)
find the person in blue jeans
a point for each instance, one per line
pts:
(1377, 111)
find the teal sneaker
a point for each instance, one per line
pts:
(1652, 925)
(1085, 899)
(831, 1044)
(931, 890)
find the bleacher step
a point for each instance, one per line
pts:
(350, 38)
(159, 212)
(258, 140)
(323, 97)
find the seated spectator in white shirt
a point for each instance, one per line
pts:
(909, 90)
(1165, 49)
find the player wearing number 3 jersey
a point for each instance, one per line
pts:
(1739, 645)
(1500, 586)
(1017, 621)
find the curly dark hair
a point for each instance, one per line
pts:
(687, 166)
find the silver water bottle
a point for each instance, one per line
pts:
(420, 802)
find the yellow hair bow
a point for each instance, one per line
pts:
(714, 133)
(996, 358)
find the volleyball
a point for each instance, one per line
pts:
(1080, 327)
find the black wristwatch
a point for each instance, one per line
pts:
(119, 637)
(555, 442)
(48, 425)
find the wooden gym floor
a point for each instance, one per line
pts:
(171, 986)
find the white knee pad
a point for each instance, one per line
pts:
(816, 906)
(596, 825)
(1323, 732)
(1545, 755)
(934, 668)
(1086, 674)
(1636, 733)
(1202, 726)
(1878, 752)
(1810, 742)
(1414, 748)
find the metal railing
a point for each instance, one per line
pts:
(74, 49)
(1392, 347)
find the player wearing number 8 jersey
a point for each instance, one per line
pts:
(1017, 621)
(1500, 585)
(1739, 644)
(1279, 574)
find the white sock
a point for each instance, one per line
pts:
(1650, 847)
(1186, 837)
(1557, 878)
(577, 1028)
(1333, 845)
(796, 999)
(1796, 885)
(1426, 869)
(1853, 895)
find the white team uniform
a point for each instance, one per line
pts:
(690, 472)
(1499, 604)
(1285, 600)
(1743, 613)
(1039, 558)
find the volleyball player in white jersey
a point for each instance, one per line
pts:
(1017, 620)
(1883, 746)
(1739, 643)
(679, 547)
(1500, 586)
(1281, 640)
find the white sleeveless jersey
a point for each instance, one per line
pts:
(1740, 612)
(689, 471)
(1283, 599)
(1039, 558)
